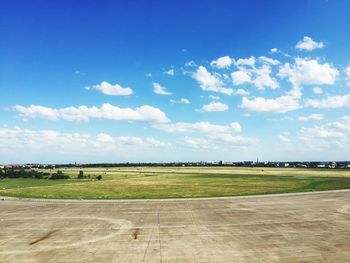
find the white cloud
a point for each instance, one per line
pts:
(181, 101)
(267, 60)
(279, 105)
(308, 44)
(288, 102)
(50, 144)
(196, 143)
(309, 72)
(148, 75)
(235, 140)
(240, 77)
(328, 135)
(222, 62)
(128, 140)
(311, 117)
(274, 50)
(241, 92)
(157, 143)
(205, 127)
(110, 89)
(84, 113)
(210, 82)
(331, 102)
(236, 126)
(105, 138)
(158, 89)
(259, 77)
(264, 79)
(214, 106)
(190, 63)
(317, 90)
(283, 138)
(37, 111)
(169, 72)
(219, 140)
(246, 62)
(347, 72)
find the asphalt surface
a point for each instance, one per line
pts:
(276, 228)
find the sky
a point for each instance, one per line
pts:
(163, 81)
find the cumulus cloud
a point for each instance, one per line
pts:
(311, 117)
(196, 143)
(274, 50)
(159, 89)
(309, 72)
(158, 143)
(241, 92)
(50, 144)
(181, 101)
(169, 72)
(240, 77)
(260, 77)
(222, 62)
(330, 102)
(83, 113)
(246, 62)
(282, 104)
(308, 44)
(110, 89)
(204, 127)
(317, 90)
(210, 82)
(214, 106)
(268, 60)
(263, 78)
(216, 136)
(328, 135)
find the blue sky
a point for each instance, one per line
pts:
(113, 81)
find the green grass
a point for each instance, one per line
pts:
(29, 182)
(169, 182)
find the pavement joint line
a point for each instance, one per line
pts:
(10, 198)
(151, 235)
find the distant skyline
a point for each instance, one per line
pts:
(153, 81)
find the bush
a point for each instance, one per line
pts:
(58, 176)
(81, 175)
(38, 176)
(99, 177)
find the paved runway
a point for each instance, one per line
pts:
(282, 228)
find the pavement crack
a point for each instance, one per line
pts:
(46, 236)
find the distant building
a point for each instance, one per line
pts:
(332, 165)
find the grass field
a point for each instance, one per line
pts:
(170, 182)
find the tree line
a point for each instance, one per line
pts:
(34, 174)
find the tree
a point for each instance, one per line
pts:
(81, 174)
